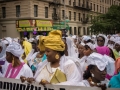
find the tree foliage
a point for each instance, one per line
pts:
(108, 23)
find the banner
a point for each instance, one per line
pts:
(15, 84)
(25, 23)
(41, 23)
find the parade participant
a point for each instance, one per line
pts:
(36, 57)
(27, 49)
(82, 58)
(115, 80)
(116, 50)
(15, 67)
(101, 40)
(111, 42)
(105, 51)
(98, 67)
(89, 49)
(57, 69)
(2, 56)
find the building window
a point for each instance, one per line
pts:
(78, 2)
(54, 10)
(70, 31)
(79, 16)
(79, 28)
(69, 2)
(97, 8)
(114, 2)
(3, 12)
(83, 16)
(17, 10)
(103, 9)
(35, 10)
(74, 16)
(63, 14)
(74, 30)
(88, 32)
(63, 1)
(46, 12)
(91, 17)
(69, 15)
(91, 5)
(84, 31)
(100, 8)
(94, 7)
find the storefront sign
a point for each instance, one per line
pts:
(25, 23)
(41, 23)
(31, 25)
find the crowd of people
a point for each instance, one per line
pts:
(89, 61)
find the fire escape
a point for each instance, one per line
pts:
(84, 6)
(55, 4)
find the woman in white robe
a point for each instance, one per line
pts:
(15, 68)
(98, 67)
(56, 63)
(2, 56)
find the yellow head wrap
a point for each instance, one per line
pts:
(41, 45)
(53, 41)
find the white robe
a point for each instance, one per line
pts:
(25, 71)
(87, 84)
(68, 67)
(83, 63)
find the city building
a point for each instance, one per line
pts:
(18, 17)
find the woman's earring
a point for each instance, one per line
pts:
(57, 56)
(13, 62)
(92, 74)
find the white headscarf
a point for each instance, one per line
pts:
(117, 42)
(92, 47)
(3, 49)
(106, 39)
(86, 38)
(16, 49)
(9, 40)
(102, 62)
(112, 39)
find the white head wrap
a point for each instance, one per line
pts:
(37, 37)
(74, 37)
(16, 49)
(117, 42)
(15, 39)
(26, 38)
(2, 53)
(86, 38)
(106, 39)
(9, 40)
(102, 62)
(31, 39)
(91, 46)
(83, 44)
(5, 42)
(112, 39)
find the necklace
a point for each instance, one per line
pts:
(93, 83)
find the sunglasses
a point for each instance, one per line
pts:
(100, 40)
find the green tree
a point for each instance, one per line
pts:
(107, 23)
